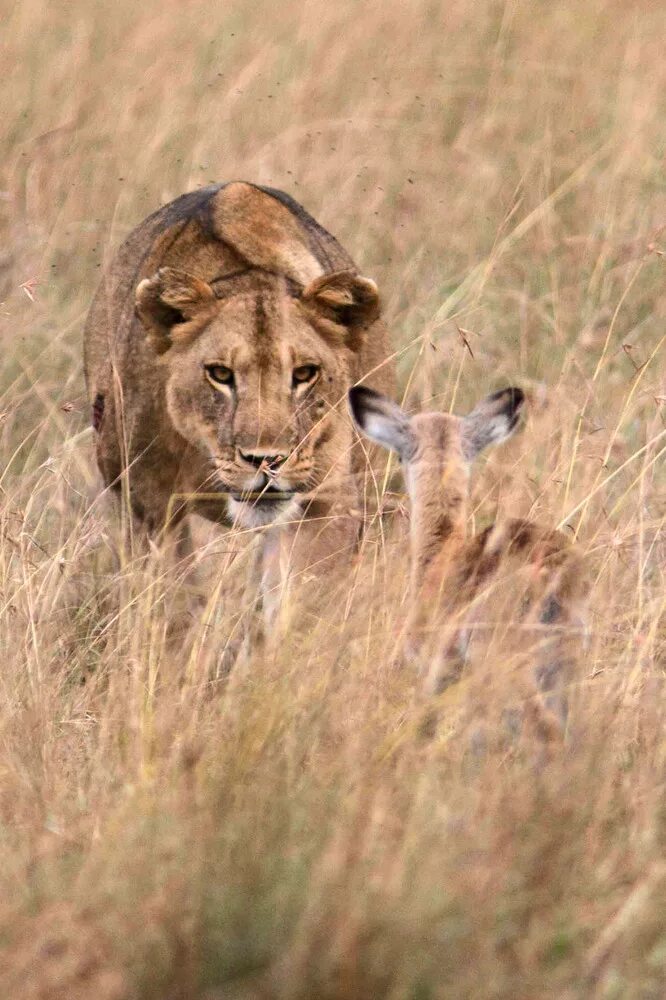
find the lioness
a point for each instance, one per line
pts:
(218, 351)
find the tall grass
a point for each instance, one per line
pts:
(171, 831)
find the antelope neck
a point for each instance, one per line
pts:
(438, 523)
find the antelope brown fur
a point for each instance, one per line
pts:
(450, 572)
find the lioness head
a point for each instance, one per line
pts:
(255, 375)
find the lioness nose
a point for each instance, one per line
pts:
(262, 458)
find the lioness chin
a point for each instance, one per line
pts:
(218, 351)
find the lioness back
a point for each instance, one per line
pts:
(223, 337)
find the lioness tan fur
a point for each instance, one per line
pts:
(533, 570)
(218, 351)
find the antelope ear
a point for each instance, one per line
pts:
(382, 420)
(168, 298)
(492, 421)
(345, 297)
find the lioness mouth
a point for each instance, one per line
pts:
(267, 495)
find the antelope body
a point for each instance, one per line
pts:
(533, 570)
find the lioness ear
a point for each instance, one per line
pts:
(168, 298)
(344, 297)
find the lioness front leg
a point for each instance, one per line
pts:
(299, 561)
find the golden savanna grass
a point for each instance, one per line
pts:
(168, 830)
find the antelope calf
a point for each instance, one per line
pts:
(531, 571)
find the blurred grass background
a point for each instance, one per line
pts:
(498, 168)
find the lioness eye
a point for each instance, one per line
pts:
(219, 374)
(304, 373)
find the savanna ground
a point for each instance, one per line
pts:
(498, 168)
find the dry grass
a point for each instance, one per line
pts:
(498, 168)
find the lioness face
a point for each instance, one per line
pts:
(257, 393)
(256, 383)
